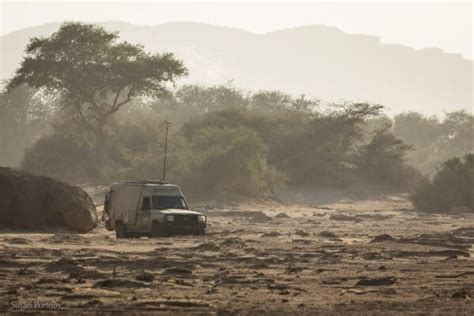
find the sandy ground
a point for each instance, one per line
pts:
(351, 257)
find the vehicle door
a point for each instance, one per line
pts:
(124, 202)
(144, 213)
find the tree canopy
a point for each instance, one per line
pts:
(452, 187)
(93, 72)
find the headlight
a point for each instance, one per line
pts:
(202, 218)
(170, 218)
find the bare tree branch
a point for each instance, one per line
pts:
(116, 105)
(117, 97)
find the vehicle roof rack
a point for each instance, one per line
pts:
(143, 182)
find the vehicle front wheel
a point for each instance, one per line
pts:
(157, 230)
(120, 231)
(201, 232)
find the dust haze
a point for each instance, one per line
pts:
(318, 171)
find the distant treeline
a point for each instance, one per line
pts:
(227, 140)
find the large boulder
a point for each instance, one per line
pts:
(29, 201)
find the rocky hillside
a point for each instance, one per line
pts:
(317, 60)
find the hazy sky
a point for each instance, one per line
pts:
(445, 25)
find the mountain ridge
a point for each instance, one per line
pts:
(318, 60)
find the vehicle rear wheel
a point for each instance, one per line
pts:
(120, 231)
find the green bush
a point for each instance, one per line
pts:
(240, 167)
(212, 161)
(322, 150)
(62, 157)
(382, 161)
(452, 187)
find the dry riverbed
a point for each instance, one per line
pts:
(363, 257)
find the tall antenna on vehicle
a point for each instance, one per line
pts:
(168, 124)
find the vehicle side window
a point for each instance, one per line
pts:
(146, 204)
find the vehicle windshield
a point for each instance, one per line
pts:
(160, 202)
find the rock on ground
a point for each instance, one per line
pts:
(29, 201)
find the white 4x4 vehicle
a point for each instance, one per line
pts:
(150, 208)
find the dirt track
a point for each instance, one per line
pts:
(363, 257)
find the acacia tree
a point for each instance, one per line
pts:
(93, 73)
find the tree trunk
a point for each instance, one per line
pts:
(101, 150)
